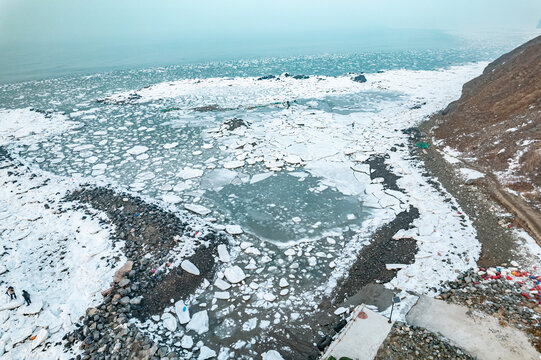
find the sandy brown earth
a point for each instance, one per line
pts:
(496, 126)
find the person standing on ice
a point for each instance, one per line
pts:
(26, 297)
(11, 293)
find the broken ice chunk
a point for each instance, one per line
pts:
(260, 177)
(340, 310)
(169, 321)
(188, 266)
(233, 229)
(206, 353)
(233, 164)
(136, 150)
(234, 274)
(171, 198)
(199, 322)
(223, 295)
(182, 311)
(271, 355)
(223, 254)
(189, 173)
(186, 342)
(221, 284)
(198, 209)
(290, 252)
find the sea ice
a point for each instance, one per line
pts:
(199, 322)
(138, 149)
(198, 209)
(182, 311)
(188, 266)
(233, 229)
(234, 274)
(223, 254)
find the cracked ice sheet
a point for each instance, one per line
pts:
(442, 247)
(60, 258)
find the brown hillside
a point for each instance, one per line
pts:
(496, 124)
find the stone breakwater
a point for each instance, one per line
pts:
(150, 281)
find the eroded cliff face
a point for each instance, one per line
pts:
(496, 123)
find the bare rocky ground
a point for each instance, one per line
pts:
(496, 127)
(513, 299)
(412, 342)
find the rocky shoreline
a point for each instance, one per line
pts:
(148, 282)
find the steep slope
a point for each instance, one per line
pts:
(496, 127)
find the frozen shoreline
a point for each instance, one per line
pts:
(340, 164)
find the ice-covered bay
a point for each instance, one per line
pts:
(289, 181)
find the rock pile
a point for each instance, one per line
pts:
(144, 286)
(510, 293)
(411, 342)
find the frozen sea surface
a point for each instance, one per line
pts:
(279, 163)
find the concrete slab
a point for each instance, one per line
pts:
(479, 334)
(362, 337)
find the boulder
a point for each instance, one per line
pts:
(119, 274)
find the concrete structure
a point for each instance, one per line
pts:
(478, 334)
(362, 337)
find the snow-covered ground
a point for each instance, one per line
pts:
(59, 255)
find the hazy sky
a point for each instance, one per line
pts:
(54, 21)
(41, 38)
